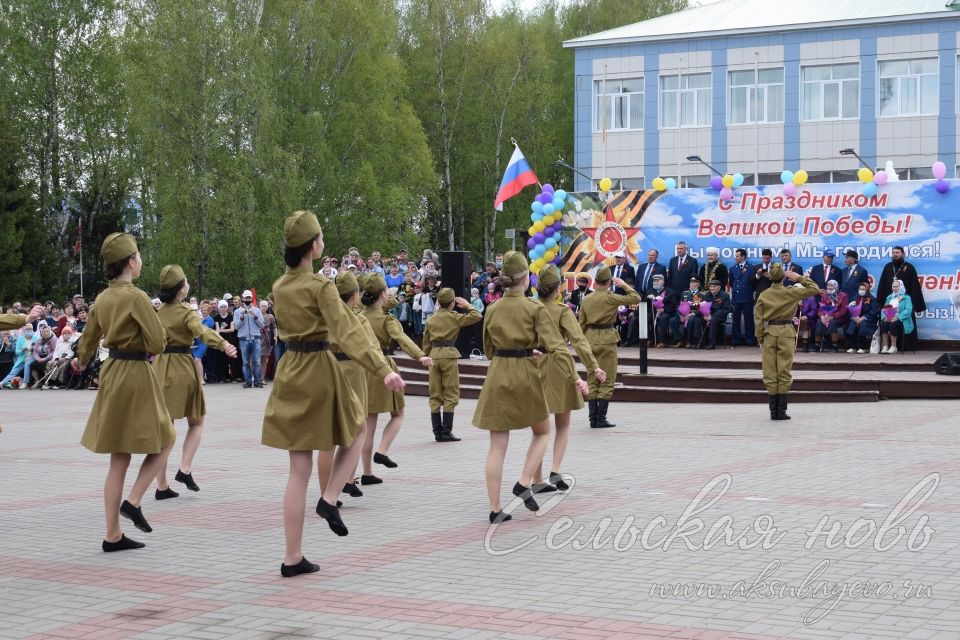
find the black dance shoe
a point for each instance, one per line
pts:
(526, 495)
(496, 517)
(165, 494)
(543, 487)
(332, 515)
(122, 544)
(380, 458)
(187, 479)
(304, 566)
(352, 490)
(365, 480)
(135, 515)
(557, 480)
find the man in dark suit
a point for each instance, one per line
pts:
(623, 271)
(853, 275)
(681, 268)
(581, 292)
(786, 259)
(663, 311)
(644, 286)
(824, 273)
(761, 274)
(719, 310)
(741, 296)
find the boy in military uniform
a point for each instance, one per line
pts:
(598, 315)
(773, 315)
(440, 343)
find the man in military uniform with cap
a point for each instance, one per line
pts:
(598, 315)
(773, 315)
(440, 343)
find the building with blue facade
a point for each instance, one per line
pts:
(758, 86)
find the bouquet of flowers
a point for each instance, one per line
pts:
(854, 310)
(705, 308)
(658, 303)
(890, 312)
(683, 309)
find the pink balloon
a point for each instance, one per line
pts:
(726, 193)
(939, 170)
(789, 189)
(880, 177)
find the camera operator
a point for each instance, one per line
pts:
(248, 321)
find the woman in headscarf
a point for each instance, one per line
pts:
(896, 317)
(832, 314)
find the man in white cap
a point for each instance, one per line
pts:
(623, 271)
(713, 269)
(248, 321)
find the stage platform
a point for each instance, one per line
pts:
(733, 375)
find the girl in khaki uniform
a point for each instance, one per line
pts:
(177, 372)
(10, 321)
(358, 377)
(513, 395)
(380, 400)
(128, 415)
(311, 406)
(561, 398)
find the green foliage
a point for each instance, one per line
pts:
(200, 125)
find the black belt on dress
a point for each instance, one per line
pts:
(442, 343)
(513, 353)
(601, 326)
(308, 347)
(174, 349)
(129, 355)
(543, 350)
(387, 352)
(342, 357)
(779, 322)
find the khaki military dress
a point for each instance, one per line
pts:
(10, 321)
(357, 377)
(439, 338)
(129, 414)
(312, 406)
(177, 373)
(512, 396)
(778, 305)
(598, 314)
(387, 328)
(562, 397)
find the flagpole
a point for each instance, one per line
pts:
(603, 134)
(517, 146)
(80, 240)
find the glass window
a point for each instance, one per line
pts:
(693, 93)
(921, 173)
(817, 177)
(631, 183)
(909, 87)
(618, 105)
(845, 176)
(831, 92)
(770, 178)
(696, 182)
(756, 97)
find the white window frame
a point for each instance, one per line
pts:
(822, 118)
(760, 87)
(628, 98)
(680, 91)
(919, 78)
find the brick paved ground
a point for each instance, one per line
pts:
(415, 563)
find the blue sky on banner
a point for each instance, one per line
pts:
(838, 217)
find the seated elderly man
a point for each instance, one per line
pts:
(832, 316)
(807, 321)
(864, 316)
(664, 302)
(687, 325)
(720, 307)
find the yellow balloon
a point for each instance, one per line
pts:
(865, 175)
(659, 184)
(605, 184)
(537, 265)
(800, 178)
(549, 220)
(538, 226)
(728, 181)
(532, 230)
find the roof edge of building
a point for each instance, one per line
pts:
(581, 43)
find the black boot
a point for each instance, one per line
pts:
(773, 406)
(600, 422)
(435, 420)
(806, 345)
(782, 407)
(446, 429)
(592, 408)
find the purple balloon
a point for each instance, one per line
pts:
(558, 226)
(556, 259)
(544, 198)
(539, 237)
(548, 188)
(533, 280)
(716, 183)
(942, 186)
(531, 243)
(548, 232)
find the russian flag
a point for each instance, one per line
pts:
(517, 176)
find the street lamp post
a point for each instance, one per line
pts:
(851, 152)
(704, 163)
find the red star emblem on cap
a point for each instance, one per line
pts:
(609, 237)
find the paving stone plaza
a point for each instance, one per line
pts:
(796, 532)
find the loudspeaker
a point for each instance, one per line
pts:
(948, 364)
(455, 269)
